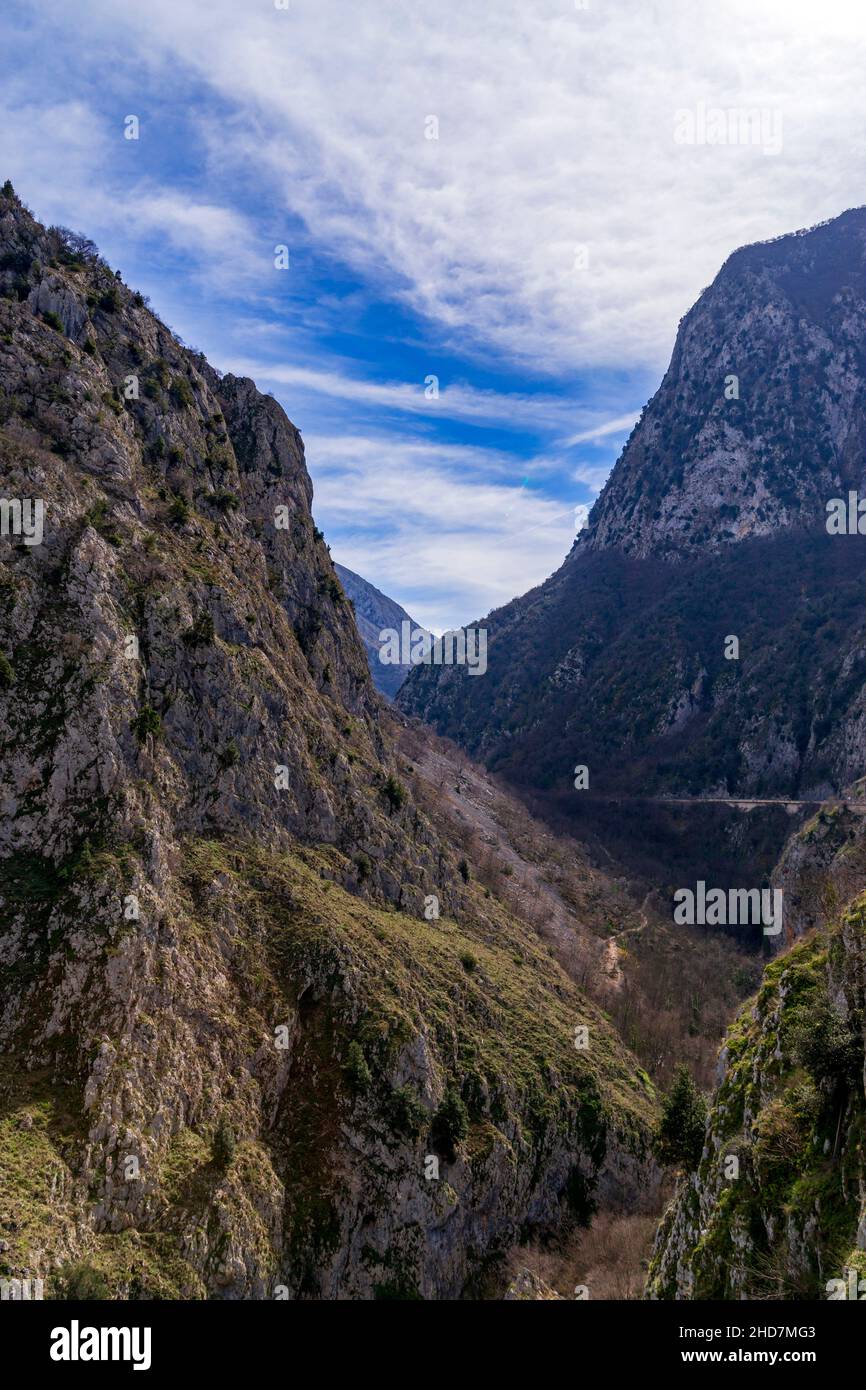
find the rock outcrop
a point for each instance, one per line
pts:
(777, 1206)
(527, 1287)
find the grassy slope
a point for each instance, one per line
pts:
(497, 1010)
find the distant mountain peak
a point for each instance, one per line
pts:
(376, 613)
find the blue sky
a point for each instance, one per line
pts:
(534, 258)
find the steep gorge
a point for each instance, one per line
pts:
(713, 527)
(241, 1058)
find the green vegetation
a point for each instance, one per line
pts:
(790, 1113)
(230, 755)
(100, 518)
(331, 588)
(224, 1144)
(513, 1025)
(181, 393)
(147, 722)
(499, 1042)
(201, 632)
(406, 1115)
(43, 1136)
(679, 1138)
(223, 500)
(394, 792)
(450, 1125)
(357, 1071)
(80, 1280)
(828, 1045)
(178, 511)
(109, 300)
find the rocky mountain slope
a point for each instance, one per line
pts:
(823, 866)
(669, 991)
(776, 1208)
(712, 526)
(374, 613)
(263, 1032)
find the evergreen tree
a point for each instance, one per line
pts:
(679, 1138)
(223, 1144)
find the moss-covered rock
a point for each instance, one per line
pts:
(777, 1207)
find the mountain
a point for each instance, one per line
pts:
(712, 526)
(264, 1032)
(374, 613)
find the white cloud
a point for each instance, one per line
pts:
(56, 147)
(214, 235)
(415, 521)
(556, 129)
(617, 426)
(590, 476)
(59, 152)
(509, 410)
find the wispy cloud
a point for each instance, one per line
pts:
(449, 543)
(219, 239)
(480, 229)
(66, 156)
(458, 402)
(619, 425)
(592, 477)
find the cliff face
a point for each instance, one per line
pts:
(760, 417)
(233, 1032)
(777, 1206)
(711, 527)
